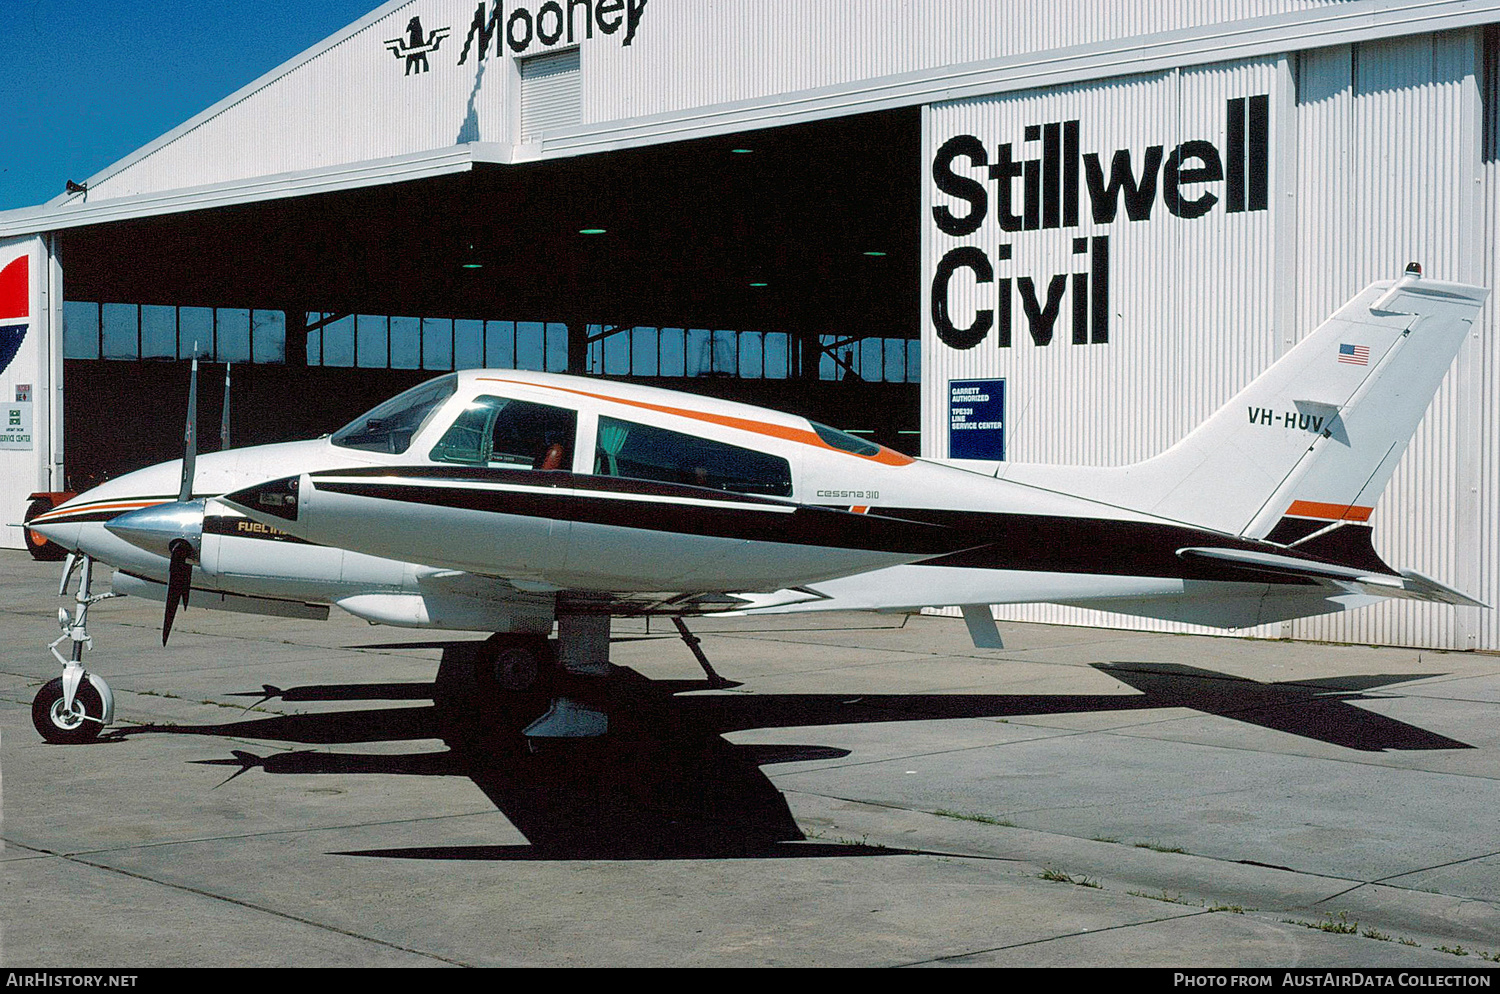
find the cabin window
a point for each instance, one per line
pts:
(391, 426)
(845, 442)
(646, 453)
(495, 431)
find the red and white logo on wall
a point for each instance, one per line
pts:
(15, 307)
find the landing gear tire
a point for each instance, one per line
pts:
(42, 550)
(514, 664)
(61, 726)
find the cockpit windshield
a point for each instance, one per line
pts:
(391, 426)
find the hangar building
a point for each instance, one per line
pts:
(1103, 217)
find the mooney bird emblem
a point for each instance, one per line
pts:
(414, 47)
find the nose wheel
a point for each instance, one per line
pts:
(60, 723)
(73, 708)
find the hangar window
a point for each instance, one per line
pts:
(625, 350)
(381, 341)
(494, 431)
(195, 330)
(643, 452)
(80, 330)
(163, 331)
(874, 360)
(378, 341)
(232, 334)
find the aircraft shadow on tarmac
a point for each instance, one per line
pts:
(665, 783)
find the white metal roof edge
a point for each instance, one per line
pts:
(346, 176)
(1369, 20)
(1362, 20)
(240, 95)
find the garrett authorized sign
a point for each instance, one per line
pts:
(976, 419)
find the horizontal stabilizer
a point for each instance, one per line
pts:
(1269, 562)
(1408, 584)
(1427, 589)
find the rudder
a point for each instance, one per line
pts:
(1311, 442)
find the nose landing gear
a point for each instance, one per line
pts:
(75, 707)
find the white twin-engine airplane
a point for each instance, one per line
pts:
(507, 502)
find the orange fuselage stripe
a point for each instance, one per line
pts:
(62, 512)
(1329, 512)
(889, 457)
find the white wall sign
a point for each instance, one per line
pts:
(15, 425)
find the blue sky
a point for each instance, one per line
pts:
(86, 83)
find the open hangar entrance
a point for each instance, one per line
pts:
(778, 267)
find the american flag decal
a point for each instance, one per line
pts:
(1355, 355)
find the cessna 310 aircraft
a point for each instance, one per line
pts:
(507, 502)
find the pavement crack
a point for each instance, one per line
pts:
(951, 957)
(200, 840)
(248, 905)
(1386, 881)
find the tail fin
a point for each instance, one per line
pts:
(1312, 442)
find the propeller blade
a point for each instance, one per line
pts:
(190, 438)
(224, 421)
(179, 582)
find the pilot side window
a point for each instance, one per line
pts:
(494, 431)
(647, 453)
(391, 426)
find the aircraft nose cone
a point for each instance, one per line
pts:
(63, 534)
(155, 528)
(278, 497)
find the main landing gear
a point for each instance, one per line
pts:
(569, 671)
(75, 707)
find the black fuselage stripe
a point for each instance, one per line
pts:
(224, 525)
(968, 539)
(805, 525)
(561, 479)
(82, 517)
(1101, 546)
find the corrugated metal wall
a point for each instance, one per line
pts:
(1488, 475)
(1374, 160)
(699, 52)
(355, 99)
(1191, 314)
(550, 92)
(1389, 172)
